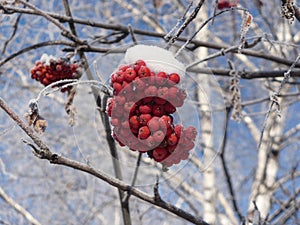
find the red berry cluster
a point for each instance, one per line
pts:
(141, 111)
(55, 70)
(222, 4)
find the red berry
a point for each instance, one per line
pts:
(124, 84)
(222, 5)
(131, 141)
(125, 124)
(134, 122)
(138, 84)
(151, 91)
(45, 81)
(163, 92)
(119, 76)
(165, 122)
(144, 71)
(144, 118)
(110, 105)
(178, 130)
(124, 67)
(129, 106)
(144, 132)
(173, 92)
(174, 78)
(177, 102)
(171, 148)
(134, 130)
(124, 133)
(169, 108)
(182, 94)
(150, 142)
(159, 136)
(159, 154)
(158, 110)
(147, 100)
(120, 100)
(138, 65)
(147, 108)
(161, 78)
(58, 67)
(188, 145)
(49, 76)
(159, 101)
(190, 133)
(153, 124)
(130, 74)
(227, 3)
(114, 122)
(117, 88)
(172, 139)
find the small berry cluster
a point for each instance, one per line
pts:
(49, 70)
(222, 4)
(141, 111)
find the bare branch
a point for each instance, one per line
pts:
(18, 208)
(33, 47)
(45, 153)
(26, 128)
(186, 23)
(65, 32)
(196, 43)
(15, 26)
(226, 170)
(286, 78)
(291, 132)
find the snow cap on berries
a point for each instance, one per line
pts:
(156, 58)
(47, 58)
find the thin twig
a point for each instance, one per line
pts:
(171, 32)
(119, 27)
(138, 162)
(245, 74)
(66, 83)
(136, 170)
(65, 32)
(156, 191)
(18, 208)
(222, 52)
(132, 34)
(118, 36)
(286, 78)
(185, 24)
(35, 46)
(226, 170)
(203, 25)
(15, 26)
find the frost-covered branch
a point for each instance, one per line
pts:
(44, 152)
(18, 208)
(34, 47)
(119, 27)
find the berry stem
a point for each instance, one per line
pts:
(136, 170)
(71, 82)
(138, 162)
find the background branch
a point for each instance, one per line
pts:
(18, 208)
